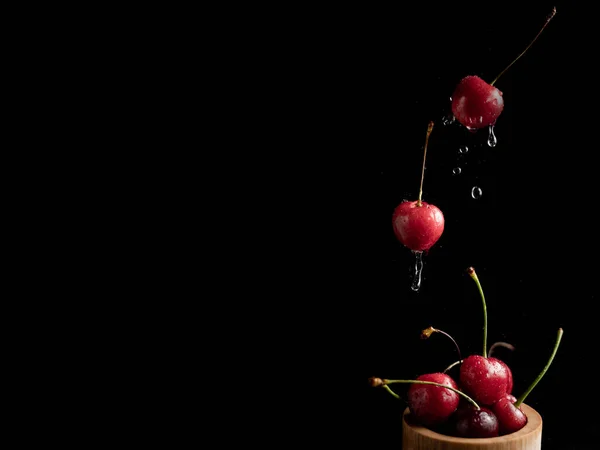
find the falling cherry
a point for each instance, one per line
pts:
(477, 104)
(418, 225)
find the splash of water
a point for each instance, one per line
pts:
(418, 271)
(492, 141)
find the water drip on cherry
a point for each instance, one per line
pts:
(492, 140)
(418, 270)
(477, 104)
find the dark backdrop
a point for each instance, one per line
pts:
(374, 79)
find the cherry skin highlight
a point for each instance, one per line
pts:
(476, 103)
(476, 423)
(486, 380)
(511, 418)
(418, 227)
(432, 405)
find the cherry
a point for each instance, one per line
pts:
(486, 379)
(476, 423)
(508, 409)
(430, 404)
(418, 225)
(510, 417)
(476, 103)
(432, 398)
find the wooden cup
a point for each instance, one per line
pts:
(416, 437)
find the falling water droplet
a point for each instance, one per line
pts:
(476, 192)
(492, 141)
(463, 149)
(448, 120)
(416, 284)
(456, 171)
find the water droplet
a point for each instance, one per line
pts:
(416, 284)
(492, 141)
(472, 130)
(456, 171)
(476, 192)
(463, 149)
(448, 120)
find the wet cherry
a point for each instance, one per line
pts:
(418, 225)
(510, 417)
(476, 103)
(432, 405)
(485, 379)
(476, 423)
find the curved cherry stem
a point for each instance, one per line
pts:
(455, 363)
(526, 48)
(387, 388)
(429, 129)
(427, 332)
(473, 275)
(500, 344)
(539, 377)
(386, 382)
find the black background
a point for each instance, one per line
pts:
(367, 82)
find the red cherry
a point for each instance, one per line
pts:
(475, 103)
(430, 404)
(509, 382)
(510, 417)
(418, 224)
(476, 423)
(486, 380)
(418, 227)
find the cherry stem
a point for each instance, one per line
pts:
(386, 382)
(527, 48)
(429, 331)
(387, 388)
(473, 275)
(429, 129)
(452, 365)
(500, 344)
(539, 377)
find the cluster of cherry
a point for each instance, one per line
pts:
(481, 403)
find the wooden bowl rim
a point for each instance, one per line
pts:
(534, 423)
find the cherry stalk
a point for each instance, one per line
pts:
(427, 332)
(548, 19)
(508, 410)
(524, 395)
(380, 382)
